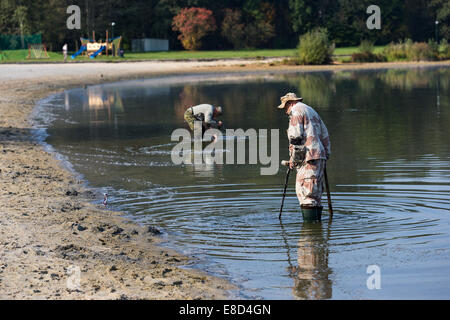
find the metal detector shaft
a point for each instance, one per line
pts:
(328, 193)
(284, 192)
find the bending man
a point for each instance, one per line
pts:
(309, 149)
(204, 113)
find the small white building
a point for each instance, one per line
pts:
(148, 45)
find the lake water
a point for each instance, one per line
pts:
(389, 176)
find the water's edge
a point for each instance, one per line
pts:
(41, 118)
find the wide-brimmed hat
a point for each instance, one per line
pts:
(288, 97)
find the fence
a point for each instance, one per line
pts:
(14, 42)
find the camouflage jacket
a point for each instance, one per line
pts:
(307, 129)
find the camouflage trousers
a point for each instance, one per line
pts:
(189, 118)
(309, 183)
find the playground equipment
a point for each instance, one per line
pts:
(76, 54)
(96, 53)
(92, 48)
(37, 51)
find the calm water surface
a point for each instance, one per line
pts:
(389, 175)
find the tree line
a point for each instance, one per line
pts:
(237, 23)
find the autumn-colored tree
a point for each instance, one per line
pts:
(252, 30)
(193, 24)
(260, 23)
(233, 29)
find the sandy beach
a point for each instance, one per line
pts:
(51, 224)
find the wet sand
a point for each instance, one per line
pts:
(49, 225)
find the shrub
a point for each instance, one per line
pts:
(434, 46)
(366, 57)
(395, 51)
(193, 24)
(408, 50)
(315, 48)
(366, 46)
(365, 53)
(441, 50)
(290, 62)
(444, 50)
(421, 51)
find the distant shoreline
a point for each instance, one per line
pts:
(49, 222)
(105, 71)
(29, 62)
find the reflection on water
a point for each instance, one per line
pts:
(311, 274)
(207, 169)
(389, 176)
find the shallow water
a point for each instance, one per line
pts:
(389, 176)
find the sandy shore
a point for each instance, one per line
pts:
(48, 224)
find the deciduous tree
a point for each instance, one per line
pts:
(193, 24)
(20, 16)
(233, 28)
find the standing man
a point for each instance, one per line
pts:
(204, 113)
(64, 49)
(309, 149)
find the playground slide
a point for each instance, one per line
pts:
(96, 53)
(82, 49)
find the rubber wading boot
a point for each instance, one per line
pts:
(311, 214)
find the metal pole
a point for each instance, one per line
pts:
(112, 38)
(437, 31)
(284, 192)
(330, 207)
